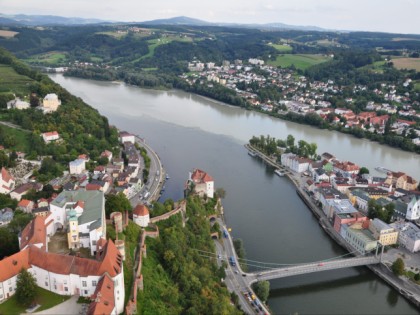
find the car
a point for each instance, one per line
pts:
(321, 264)
(236, 271)
(219, 256)
(244, 275)
(260, 307)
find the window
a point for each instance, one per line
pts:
(84, 284)
(55, 287)
(10, 289)
(94, 283)
(86, 292)
(66, 289)
(46, 283)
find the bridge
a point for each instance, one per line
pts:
(294, 270)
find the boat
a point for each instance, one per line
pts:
(252, 153)
(167, 176)
(278, 172)
(382, 169)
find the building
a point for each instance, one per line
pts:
(201, 183)
(401, 180)
(50, 136)
(413, 208)
(17, 103)
(83, 212)
(26, 205)
(385, 234)
(408, 236)
(141, 215)
(336, 206)
(22, 190)
(358, 237)
(347, 218)
(77, 166)
(6, 215)
(126, 137)
(69, 275)
(7, 182)
(50, 103)
(107, 154)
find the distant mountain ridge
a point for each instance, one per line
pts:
(44, 20)
(184, 20)
(39, 20)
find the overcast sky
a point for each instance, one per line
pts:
(396, 16)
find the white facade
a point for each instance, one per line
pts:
(18, 104)
(77, 166)
(127, 137)
(50, 103)
(50, 136)
(413, 209)
(408, 236)
(141, 220)
(7, 182)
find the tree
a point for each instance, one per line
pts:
(118, 202)
(290, 141)
(25, 288)
(220, 193)
(398, 267)
(363, 170)
(262, 290)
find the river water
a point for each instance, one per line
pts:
(262, 209)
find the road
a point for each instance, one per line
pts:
(235, 277)
(156, 177)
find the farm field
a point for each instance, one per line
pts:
(8, 34)
(153, 43)
(302, 62)
(12, 82)
(407, 63)
(53, 58)
(282, 48)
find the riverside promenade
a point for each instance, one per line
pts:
(404, 286)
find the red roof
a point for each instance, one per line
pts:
(24, 203)
(199, 176)
(12, 265)
(79, 203)
(141, 210)
(93, 187)
(5, 175)
(103, 298)
(50, 133)
(34, 232)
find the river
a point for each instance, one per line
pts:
(189, 131)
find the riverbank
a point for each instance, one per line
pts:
(410, 291)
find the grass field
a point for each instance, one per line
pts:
(8, 34)
(417, 86)
(153, 43)
(282, 48)
(52, 58)
(19, 138)
(45, 298)
(407, 63)
(113, 34)
(299, 61)
(12, 82)
(377, 66)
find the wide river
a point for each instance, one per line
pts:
(262, 209)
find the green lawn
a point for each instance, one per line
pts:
(282, 48)
(12, 82)
(417, 86)
(299, 61)
(19, 139)
(52, 58)
(45, 298)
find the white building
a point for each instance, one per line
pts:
(141, 215)
(409, 235)
(50, 136)
(413, 208)
(126, 137)
(7, 182)
(69, 275)
(50, 103)
(84, 212)
(77, 166)
(17, 103)
(202, 183)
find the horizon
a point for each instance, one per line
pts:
(389, 16)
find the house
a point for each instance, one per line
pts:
(36, 233)
(6, 215)
(413, 208)
(141, 215)
(77, 166)
(41, 211)
(7, 182)
(107, 154)
(83, 213)
(70, 275)
(401, 180)
(346, 167)
(50, 103)
(126, 137)
(385, 234)
(201, 183)
(359, 237)
(335, 206)
(50, 136)
(22, 190)
(347, 218)
(17, 103)
(26, 205)
(408, 235)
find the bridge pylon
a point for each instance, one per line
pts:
(377, 249)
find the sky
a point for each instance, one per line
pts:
(393, 16)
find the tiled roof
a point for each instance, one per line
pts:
(103, 298)
(34, 232)
(199, 176)
(141, 210)
(11, 266)
(5, 175)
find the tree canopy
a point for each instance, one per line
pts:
(25, 288)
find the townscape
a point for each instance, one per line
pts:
(126, 185)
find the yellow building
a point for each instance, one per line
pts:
(382, 232)
(73, 231)
(50, 103)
